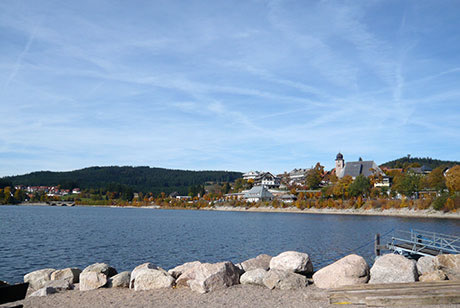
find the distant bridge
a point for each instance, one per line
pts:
(61, 203)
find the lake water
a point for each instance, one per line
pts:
(35, 237)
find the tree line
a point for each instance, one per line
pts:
(119, 179)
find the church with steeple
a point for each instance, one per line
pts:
(355, 168)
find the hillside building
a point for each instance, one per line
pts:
(355, 168)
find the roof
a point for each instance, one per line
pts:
(253, 172)
(299, 172)
(258, 192)
(355, 168)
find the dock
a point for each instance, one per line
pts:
(417, 243)
(398, 294)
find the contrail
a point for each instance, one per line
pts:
(18, 62)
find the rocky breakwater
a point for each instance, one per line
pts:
(288, 270)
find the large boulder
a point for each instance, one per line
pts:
(120, 280)
(59, 285)
(101, 268)
(284, 280)
(44, 291)
(349, 270)
(449, 264)
(37, 279)
(255, 276)
(72, 275)
(426, 264)
(261, 261)
(178, 270)
(292, 261)
(393, 268)
(149, 279)
(207, 277)
(436, 275)
(53, 286)
(95, 276)
(92, 280)
(137, 270)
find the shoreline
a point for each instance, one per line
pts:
(405, 212)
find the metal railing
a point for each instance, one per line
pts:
(424, 243)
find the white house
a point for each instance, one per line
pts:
(298, 176)
(269, 180)
(258, 193)
(252, 175)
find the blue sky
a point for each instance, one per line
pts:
(228, 85)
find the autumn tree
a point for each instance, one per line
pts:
(226, 188)
(453, 179)
(435, 180)
(340, 188)
(314, 176)
(407, 183)
(360, 186)
(242, 184)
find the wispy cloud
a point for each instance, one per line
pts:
(18, 63)
(258, 85)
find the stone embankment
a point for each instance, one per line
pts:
(288, 270)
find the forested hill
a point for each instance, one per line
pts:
(142, 179)
(404, 162)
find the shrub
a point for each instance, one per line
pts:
(440, 201)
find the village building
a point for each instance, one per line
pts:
(420, 170)
(252, 175)
(287, 198)
(263, 178)
(298, 176)
(355, 168)
(258, 193)
(269, 180)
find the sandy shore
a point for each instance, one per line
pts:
(235, 296)
(372, 212)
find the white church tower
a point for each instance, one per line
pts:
(339, 165)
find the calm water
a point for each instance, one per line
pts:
(35, 237)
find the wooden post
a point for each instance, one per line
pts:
(377, 245)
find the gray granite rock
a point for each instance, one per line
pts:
(72, 275)
(436, 275)
(255, 276)
(59, 285)
(426, 264)
(292, 261)
(284, 280)
(101, 268)
(137, 269)
(449, 264)
(207, 277)
(349, 270)
(261, 261)
(90, 280)
(178, 270)
(150, 279)
(120, 280)
(392, 268)
(37, 279)
(44, 291)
